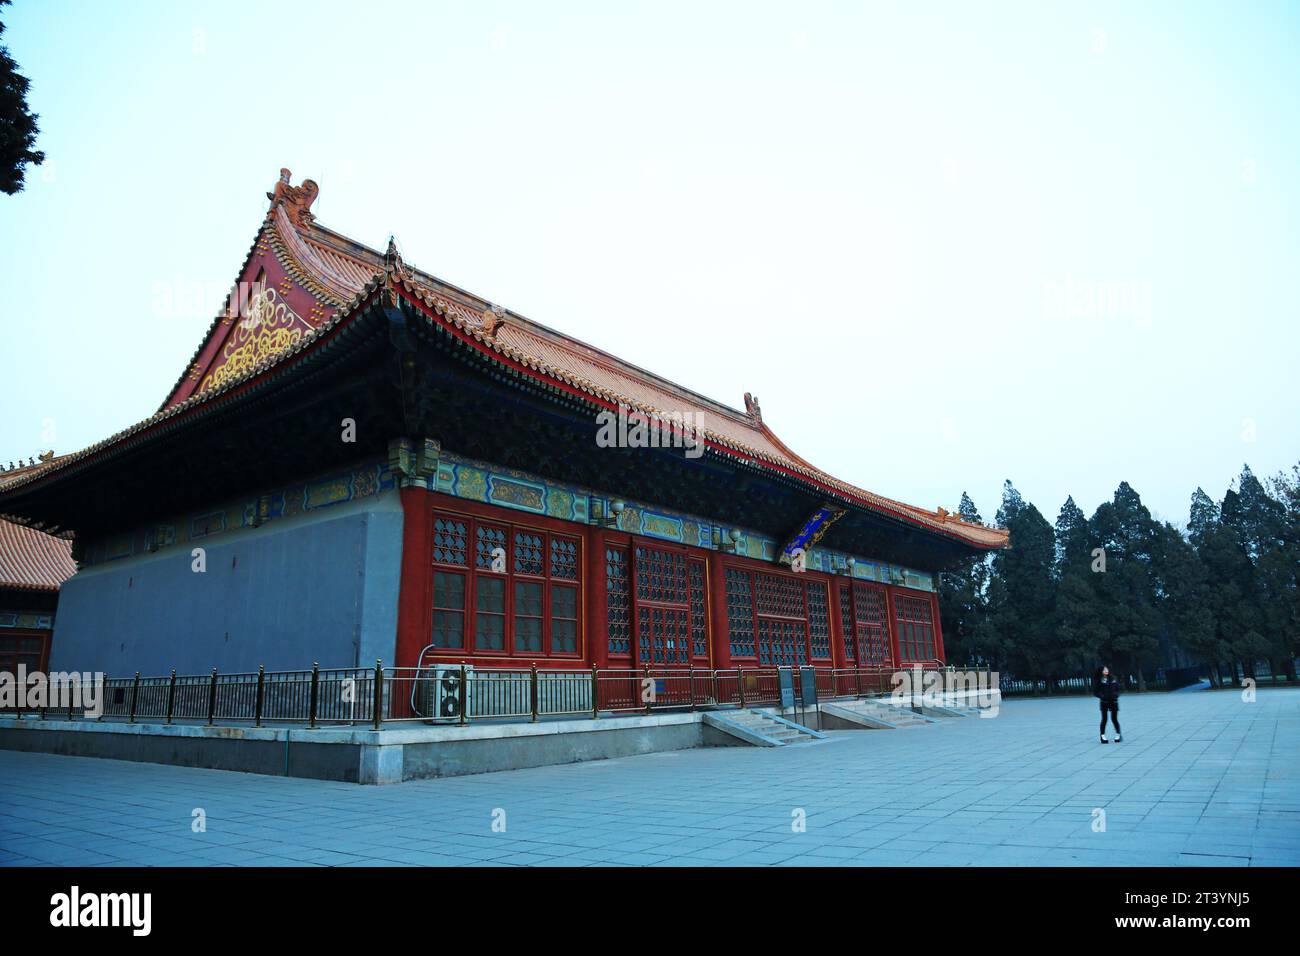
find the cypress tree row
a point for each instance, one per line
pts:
(1124, 589)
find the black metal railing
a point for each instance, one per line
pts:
(454, 693)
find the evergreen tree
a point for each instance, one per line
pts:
(1021, 591)
(1125, 531)
(1073, 545)
(1204, 517)
(1079, 627)
(962, 597)
(1258, 521)
(1231, 589)
(17, 124)
(1280, 569)
(1182, 589)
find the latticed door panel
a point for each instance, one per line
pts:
(670, 608)
(846, 625)
(740, 612)
(618, 603)
(664, 636)
(781, 643)
(819, 622)
(871, 616)
(661, 576)
(780, 603)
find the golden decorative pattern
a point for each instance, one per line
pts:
(269, 329)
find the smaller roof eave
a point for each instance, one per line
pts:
(197, 406)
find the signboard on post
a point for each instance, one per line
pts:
(785, 680)
(808, 686)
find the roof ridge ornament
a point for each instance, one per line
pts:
(752, 409)
(393, 258)
(296, 200)
(493, 319)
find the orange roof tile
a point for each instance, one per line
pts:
(33, 560)
(337, 270)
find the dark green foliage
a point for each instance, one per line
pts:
(963, 593)
(1119, 588)
(17, 124)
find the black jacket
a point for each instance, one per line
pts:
(1106, 689)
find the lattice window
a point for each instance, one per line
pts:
(528, 553)
(618, 619)
(740, 612)
(915, 628)
(846, 623)
(487, 539)
(448, 610)
(449, 541)
(780, 596)
(564, 559)
(819, 621)
(699, 611)
(531, 606)
(661, 576)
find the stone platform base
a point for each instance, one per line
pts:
(390, 755)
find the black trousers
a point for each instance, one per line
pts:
(1112, 708)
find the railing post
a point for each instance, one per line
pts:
(379, 693)
(595, 694)
(647, 686)
(464, 692)
(857, 680)
(135, 696)
(313, 697)
(261, 695)
(532, 691)
(104, 695)
(171, 696)
(740, 685)
(690, 677)
(212, 698)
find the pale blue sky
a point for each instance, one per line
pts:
(867, 214)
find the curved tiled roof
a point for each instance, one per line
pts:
(588, 368)
(32, 560)
(342, 272)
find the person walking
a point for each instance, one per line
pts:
(1106, 688)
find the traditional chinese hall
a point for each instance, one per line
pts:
(361, 461)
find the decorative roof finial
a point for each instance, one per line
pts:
(752, 409)
(493, 319)
(297, 200)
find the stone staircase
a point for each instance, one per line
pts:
(761, 728)
(875, 714)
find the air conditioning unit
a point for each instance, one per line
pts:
(439, 693)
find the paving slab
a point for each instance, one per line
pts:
(1201, 779)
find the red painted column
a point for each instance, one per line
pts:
(415, 598)
(891, 617)
(938, 628)
(838, 658)
(719, 641)
(597, 614)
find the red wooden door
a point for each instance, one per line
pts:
(871, 612)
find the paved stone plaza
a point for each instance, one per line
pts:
(1202, 778)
